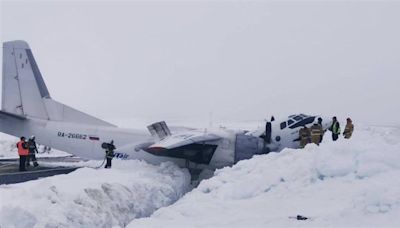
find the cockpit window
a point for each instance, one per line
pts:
(298, 118)
(290, 122)
(283, 125)
(303, 122)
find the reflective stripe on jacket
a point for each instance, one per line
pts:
(21, 150)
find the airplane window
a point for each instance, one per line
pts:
(290, 122)
(303, 122)
(298, 118)
(283, 125)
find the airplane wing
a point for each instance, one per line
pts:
(197, 147)
(183, 139)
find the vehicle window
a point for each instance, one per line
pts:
(283, 125)
(290, 122)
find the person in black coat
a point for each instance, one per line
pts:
(32, 152)
(109, 154)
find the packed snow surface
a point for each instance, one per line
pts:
(91, 197)
(347, 183)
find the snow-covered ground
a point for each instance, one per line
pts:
(348, 183)
(93, 197)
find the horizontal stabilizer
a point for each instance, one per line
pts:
(24, 92)
(7, 114)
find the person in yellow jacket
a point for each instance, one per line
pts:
(348, 130)
(335, 129)
(304, 135)
(316, 133)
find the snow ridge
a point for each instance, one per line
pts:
(348, 183)
(93, 198)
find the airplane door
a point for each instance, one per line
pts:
(246, 146)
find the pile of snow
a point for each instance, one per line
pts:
(348, 183)
(8, 149)
(93, 197)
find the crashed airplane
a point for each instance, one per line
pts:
(28, 109)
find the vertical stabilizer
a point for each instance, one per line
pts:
(26, 94)
(23, 85)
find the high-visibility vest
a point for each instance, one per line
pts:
(336, 128)
(21, 150)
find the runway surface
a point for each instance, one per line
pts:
(10, 174)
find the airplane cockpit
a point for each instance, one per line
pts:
(295, 121)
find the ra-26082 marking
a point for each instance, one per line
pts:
(72, 135)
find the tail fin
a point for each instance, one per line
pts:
(23, 85)
(26, 94)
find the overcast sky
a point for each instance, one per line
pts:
(236, 60)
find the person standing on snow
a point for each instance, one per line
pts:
(32, 152)
(316, 133)
(348, 130)
(323, 131)
(109, 154)
(335, 129)
(304, 135)
(23, 153)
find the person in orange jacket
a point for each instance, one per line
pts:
(23, 153)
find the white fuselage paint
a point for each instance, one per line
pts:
(126, 141)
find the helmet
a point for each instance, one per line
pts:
(32, 137)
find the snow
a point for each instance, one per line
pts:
(347, 183)
(8, 149)
(91, 197)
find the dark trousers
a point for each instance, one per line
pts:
(108, 164)
(31, 157)
(22, 161)
(335, 137)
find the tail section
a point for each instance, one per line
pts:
(26, 94)
(23, 85)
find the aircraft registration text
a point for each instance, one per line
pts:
(72, 135)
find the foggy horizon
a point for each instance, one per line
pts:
(235, 61)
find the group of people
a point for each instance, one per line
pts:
(27, 152)
(315, 133)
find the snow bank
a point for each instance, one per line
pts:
(93, 197)
(348, 183)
